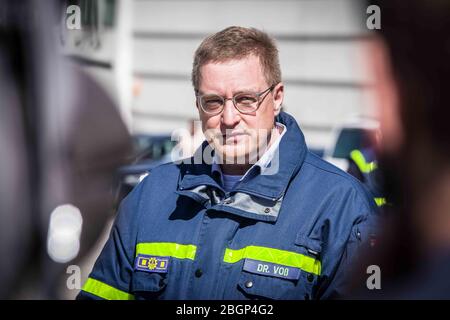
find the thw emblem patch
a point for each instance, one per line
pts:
(151, 263)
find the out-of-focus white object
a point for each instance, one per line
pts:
(353, 134)
(63, 240)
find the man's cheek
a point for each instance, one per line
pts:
(212, 123)
(206, 126)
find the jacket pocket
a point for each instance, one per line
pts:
(255, 286)
(148, 285)
(312, 248)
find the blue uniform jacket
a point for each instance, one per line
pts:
(290, 235)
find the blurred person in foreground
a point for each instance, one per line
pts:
(253, 214)
(61, 140)
(410, 59)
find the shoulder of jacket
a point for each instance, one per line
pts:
(337, 176)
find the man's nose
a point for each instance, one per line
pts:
(230, 116)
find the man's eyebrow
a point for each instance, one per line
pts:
(252, 90)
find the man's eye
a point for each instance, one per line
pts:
(246, 99)
(212, 102)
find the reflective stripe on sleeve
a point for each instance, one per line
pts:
(105, 291)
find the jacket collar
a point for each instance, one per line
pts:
(291, 154)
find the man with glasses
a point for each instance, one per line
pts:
(253, 214)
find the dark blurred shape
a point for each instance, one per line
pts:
(363, 165)
(357, 133)
(318, 151)
(61, 139)
(151, 147)
(350, 139)
(411, 54)
(149, 151)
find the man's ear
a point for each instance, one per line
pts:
(385, 94)
(278, 96)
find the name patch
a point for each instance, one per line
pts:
(271, 269)
(151, 263)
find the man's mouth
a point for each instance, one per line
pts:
(233, 137)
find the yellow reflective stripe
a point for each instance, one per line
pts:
(167, 249)
(360, 161)
(105, 291)
(287, 258)
(380, 201)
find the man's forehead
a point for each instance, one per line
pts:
(251, 59)
(244, 74)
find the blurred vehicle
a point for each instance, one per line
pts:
(149, 151)
(317, 151)
(356, 133)
(151, 147)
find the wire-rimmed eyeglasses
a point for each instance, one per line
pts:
(244, 102)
